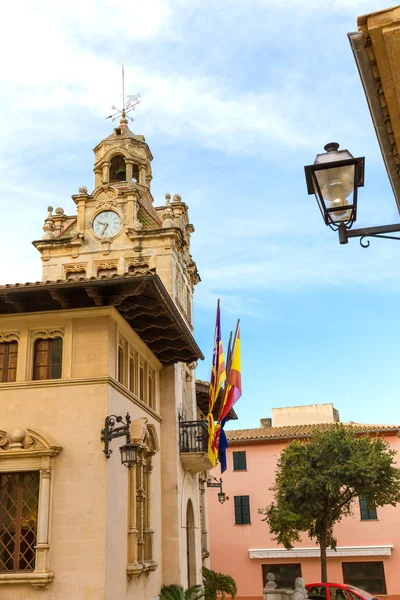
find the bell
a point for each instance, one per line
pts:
(120, 173)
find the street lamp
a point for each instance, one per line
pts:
(334, 178)
(116, 427)
(213, 482)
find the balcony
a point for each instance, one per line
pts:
(193, 446)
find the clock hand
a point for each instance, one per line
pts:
(105, 225)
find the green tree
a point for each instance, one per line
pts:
(218, 584)
(317, 482)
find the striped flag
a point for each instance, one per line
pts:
(218, 376)
(233, 391)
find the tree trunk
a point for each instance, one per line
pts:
(324, 568)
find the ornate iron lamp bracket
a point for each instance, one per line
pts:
(380, 231)
(113, 430)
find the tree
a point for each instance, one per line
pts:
(318, 480)
(217, 584)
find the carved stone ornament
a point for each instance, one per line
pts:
(139, 266)
(9, 336)
(106, 264)
(74, 267)
(137, 225)
(83, 190)
(20, 440)
(106, 199)
(47, 333)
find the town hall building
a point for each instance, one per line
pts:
(98, 356)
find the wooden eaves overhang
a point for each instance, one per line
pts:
(143, 301)
(376, 49)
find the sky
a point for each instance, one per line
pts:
(237, 96)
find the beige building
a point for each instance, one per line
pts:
(108, 331)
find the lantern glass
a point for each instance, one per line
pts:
(221, 497)
(334, 179)
(128, 454)
(337, 185)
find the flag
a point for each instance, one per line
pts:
(218, 376)
(222, 446)
(233, 388)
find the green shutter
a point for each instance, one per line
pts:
(239, 461)
(368, 513)
(242, 510)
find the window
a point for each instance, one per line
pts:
(19, 499)
(8, 361)
(242, 510)
(285, 575)
(365, 575)
(141, 381)
(121, 364)
(239, 461)
(140, 532)
(47, 361)
(26, 469)
(132, 374)
(367, 512)
(151, 388)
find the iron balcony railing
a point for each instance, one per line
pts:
(193, 436)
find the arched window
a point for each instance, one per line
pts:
(118, 169)
(140, 532)
(47, 358)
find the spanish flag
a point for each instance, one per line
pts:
(218, 376)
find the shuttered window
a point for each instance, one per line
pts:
(368, 513)
(47, 361)
(242, 510)
(8, 361)
(239, 461)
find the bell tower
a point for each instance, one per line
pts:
(117, 230)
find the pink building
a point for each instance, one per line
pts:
(368, 552)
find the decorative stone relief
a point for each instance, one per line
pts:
(74, 267)
(47, 333)
(138, 266)
(25, 439)
(9, 336)
(106, 199)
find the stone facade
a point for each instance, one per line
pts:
(102, 531)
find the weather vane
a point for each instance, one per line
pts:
(131, 103)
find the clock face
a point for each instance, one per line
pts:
(106, 223)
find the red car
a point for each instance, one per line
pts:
(336, 591)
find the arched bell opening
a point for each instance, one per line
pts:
(117, 169)
(135, 173)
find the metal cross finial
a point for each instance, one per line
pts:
(132, 102)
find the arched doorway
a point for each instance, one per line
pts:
(190, 545)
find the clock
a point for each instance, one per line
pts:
(106, 223)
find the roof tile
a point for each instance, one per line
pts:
(301, 431)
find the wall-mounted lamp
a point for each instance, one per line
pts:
(334, 178)
(215, 483)
(112, 430)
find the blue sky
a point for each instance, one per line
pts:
(237, 97)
